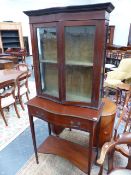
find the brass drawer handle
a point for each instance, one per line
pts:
(75, 123)
(105, 132)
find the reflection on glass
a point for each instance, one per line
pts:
(78, 83)
(79, 54)
(47, 44)
(79, 45)
(49, 79)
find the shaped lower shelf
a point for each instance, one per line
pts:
(75, 153)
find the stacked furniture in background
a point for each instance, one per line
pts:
(11, 35)
(17, 52)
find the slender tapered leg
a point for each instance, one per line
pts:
(90, 150)
(49, 128)
(21, 103)
(27, 96)
(33, 136)
(2, 114)
(16, 110)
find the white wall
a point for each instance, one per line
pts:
(120, 17)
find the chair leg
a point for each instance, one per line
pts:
(16, 110)
(117, 96)
(8, 108)
(20, 100)
(28, 90)
(2, 114)
(27, 96)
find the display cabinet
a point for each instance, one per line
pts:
(68, 46)
(68, 49)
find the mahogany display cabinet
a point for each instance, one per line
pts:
(68, 46)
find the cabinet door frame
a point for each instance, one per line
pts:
(97, 60)
(37, 62)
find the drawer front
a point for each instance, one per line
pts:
(62, 120)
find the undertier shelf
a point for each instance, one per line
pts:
(77, 154)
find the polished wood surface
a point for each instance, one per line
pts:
(14, 59)
(109, 107)
(76, 117)
(66, 149)
(8, 74)
(106, 124)
(65, 110)
(60, 21)
(74, 99)
(5, 64)
(110, 148)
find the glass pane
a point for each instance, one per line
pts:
(47, 44)
(79, 54)
(49, 79)
(78, 83)
(79, 45)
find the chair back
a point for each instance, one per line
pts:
(111, 147)
(7, 92)
(22, 81)
(22, 67)
(8, 89)
(127, 124)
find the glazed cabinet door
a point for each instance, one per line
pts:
(70, 61)
(48, 61)
(81, 57)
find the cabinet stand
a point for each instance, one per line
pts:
(71, 117)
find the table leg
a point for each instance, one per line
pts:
(90, 150)
(33, 136)
(49, 128)
(97, 138)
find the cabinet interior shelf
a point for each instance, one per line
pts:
(75, 97)
(71, 63)
(79, 63)
(10, 36)
(6, 42)
(48, 61)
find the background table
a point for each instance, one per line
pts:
(14, 59)
(6, 64)
(9, 74)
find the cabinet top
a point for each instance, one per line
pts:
(71, 9)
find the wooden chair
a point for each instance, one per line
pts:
(18, 52)
(124, 111)
(22, 54)
(7, 98)
(22, 87)
(22, 67)
(111, 147)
